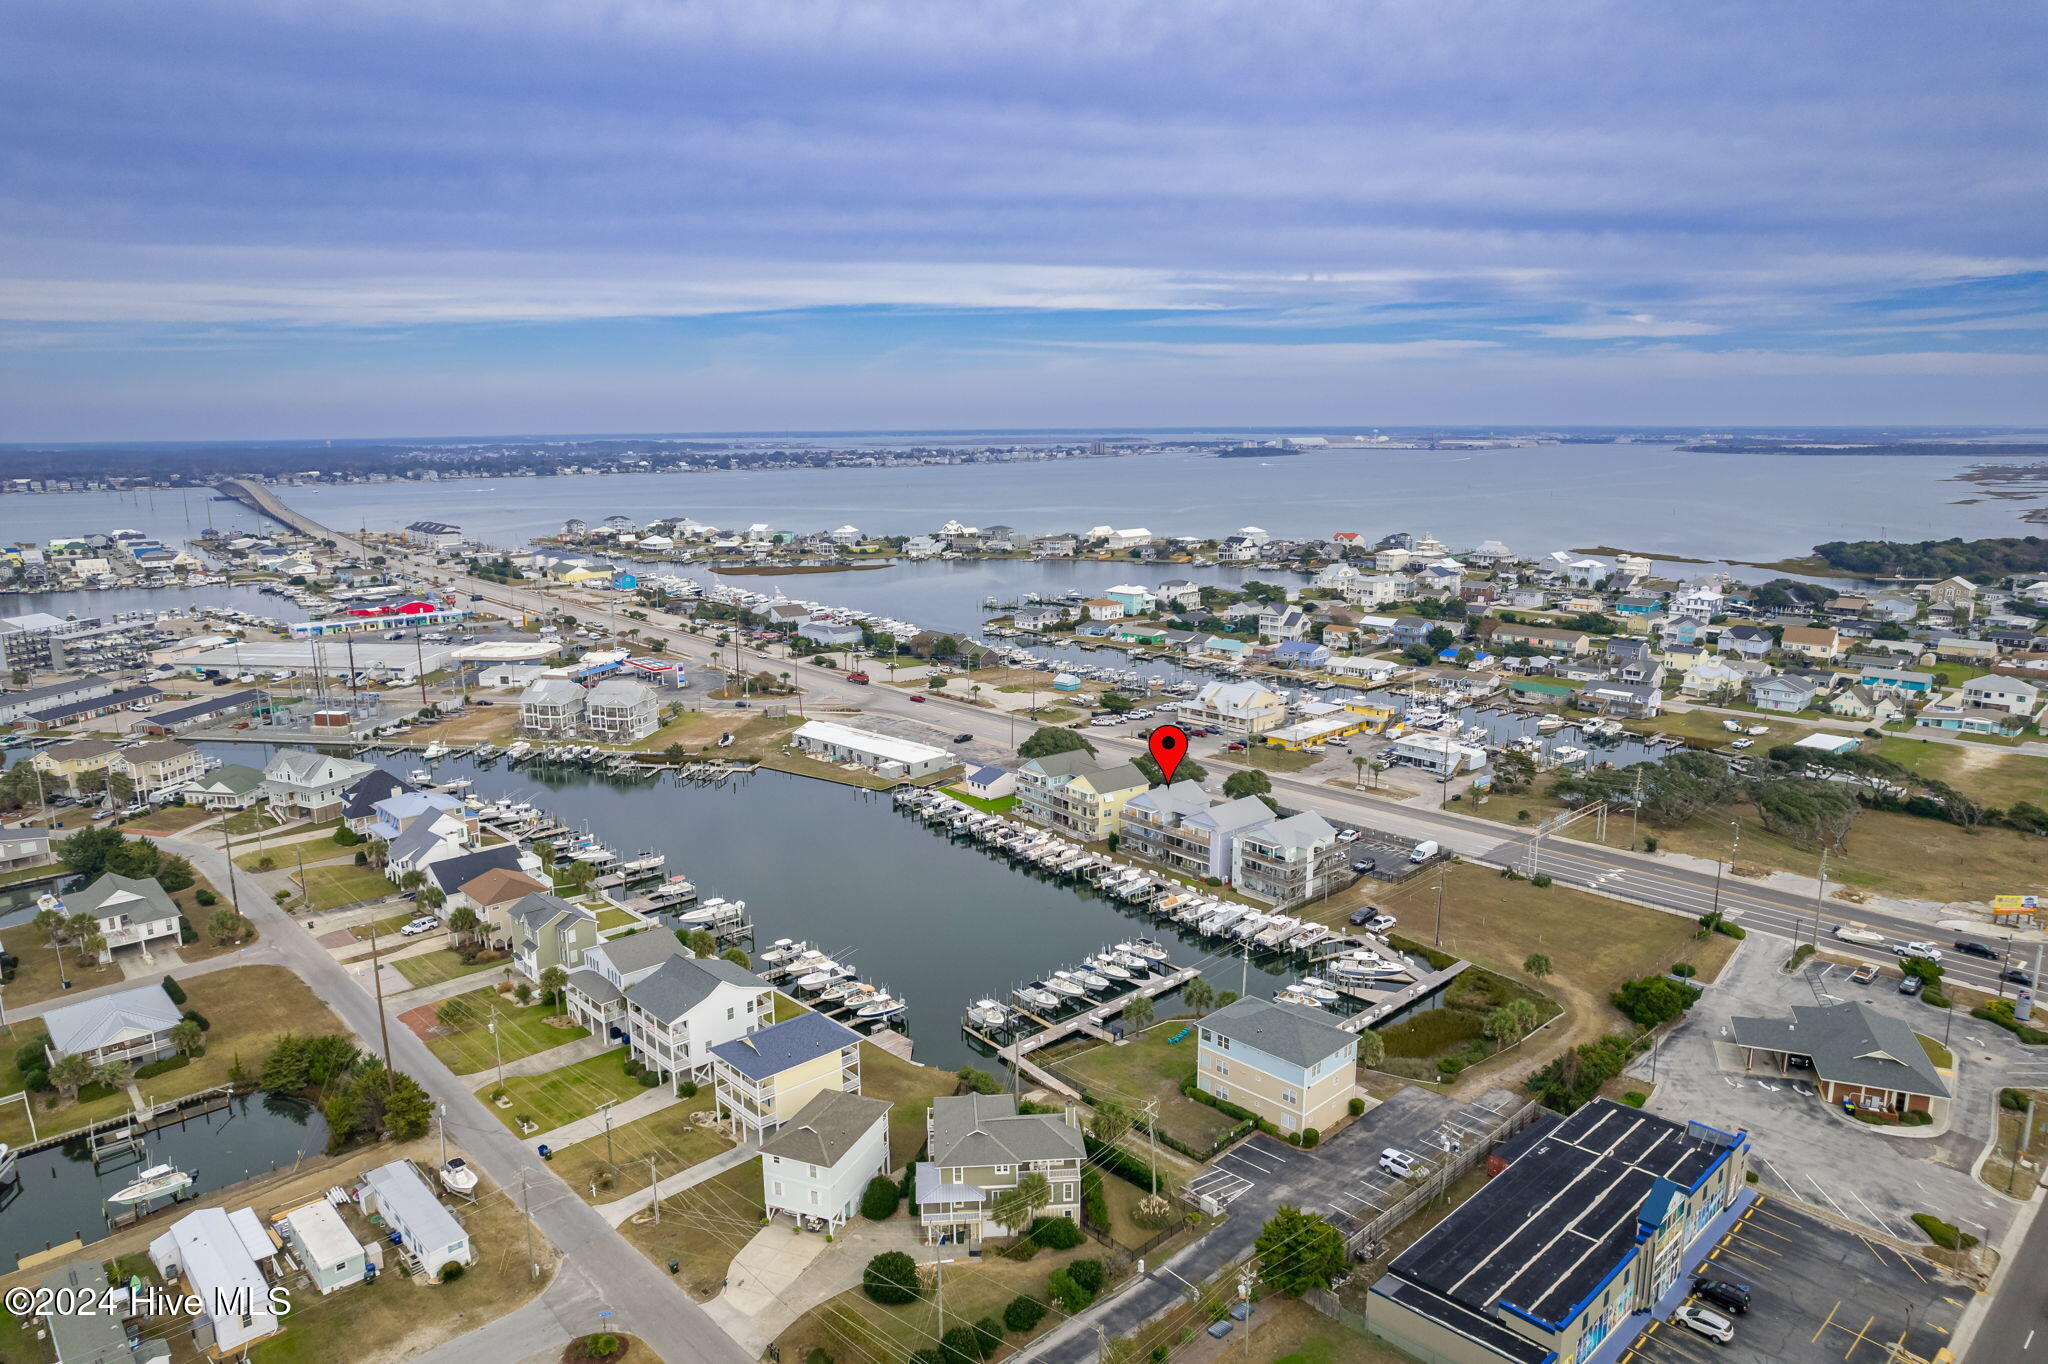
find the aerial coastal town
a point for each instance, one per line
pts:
(1534, 954)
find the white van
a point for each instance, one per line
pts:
(1424, 850)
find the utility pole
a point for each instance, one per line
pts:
(227, 829)
(1244, 975)
(383, 1025)
(441, 1130)
(1152, 1139)
(654, 1187)
(1635, 809)
(1818, 892)
(497, 1045)
(606, 1109)
(1440, 903)
(419, 664)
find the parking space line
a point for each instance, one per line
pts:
(1875, 1215)
(1829, 1197)
(1829, 1322)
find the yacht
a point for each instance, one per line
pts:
(436, 749)
(1366, 965)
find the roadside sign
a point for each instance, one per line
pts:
(2015, 904)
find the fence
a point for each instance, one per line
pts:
(1364, 1236)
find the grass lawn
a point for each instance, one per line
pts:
(1001, 805)
(1998, 1169)
(1706, 726)
(909, 1088)
(498, 722)
(562, 1096)
(384, 928)
(196, 914)
(249, 821)
(170, 819)
(1269, 758)
(1292, 1332)
(703, 1227)
(522, 1031)
(1981, 772)
(38, 978)
(1147, 1068)
(1887, 853)
(344, 884)
(668, 1138)
(20, 874)
(1937, 1053)
(396, 1318)
(431, 968)
(249, 1007)
(315, 845)
(853, 1325)
(615, 917)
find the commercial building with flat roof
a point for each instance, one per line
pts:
(881, 754)
(1588, 1226)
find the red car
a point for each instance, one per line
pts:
(1234, 748)
(916, 697)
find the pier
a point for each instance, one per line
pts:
(1053, 1028)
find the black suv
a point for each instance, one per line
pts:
(1978, 949)
(1733, 1297)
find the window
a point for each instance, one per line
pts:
(813, 1170)
(729, 1014)
(814, 1198)
(1002, 1169)
(778, 1188)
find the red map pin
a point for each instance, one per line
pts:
(1169, 744)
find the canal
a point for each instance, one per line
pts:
(939, 923)
(60, 1195)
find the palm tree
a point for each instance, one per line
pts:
(375, 850)
(412, 880)
(1358, 771)
(110, 1073)
(1199, 995)
(431, 898)
(552, 982)
(464, 923)
(1139, 1012)
(71, 1072)
(186, 1035)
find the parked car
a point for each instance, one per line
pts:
(1380, 923)
(1743, 743)
(1729, 1296)
(1365, 864)
(1911, 985)
(1233, 747)
(1396, 1162)
(1977, 949)
(420, 925)
(1347, 835)
(1712, 1325)
(1360, 917)
(1863, 975)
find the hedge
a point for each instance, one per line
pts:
(1999, 1011)
(168, 1063)
(175, 991)
(878, 1202)
(1056, 1233)
(1024, 1313)
(1942, 1233)
(1120, 1163)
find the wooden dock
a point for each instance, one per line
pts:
(1383, 1005)
(1088, 1023)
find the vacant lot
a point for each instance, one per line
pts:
(909, 1089)
(495, 723)
(1982, 773)
(248, 1007)
(703, 1227)
(344, 883)
(564, 1095)
(1706, 725)
(1146, 1067)
(170, 819)
(431, 968)
(619, 1166)
(459, 1030)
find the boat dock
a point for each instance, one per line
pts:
(1379, 1006)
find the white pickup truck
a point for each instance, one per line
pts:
(1859, 935)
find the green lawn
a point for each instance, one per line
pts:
(614, 917)
(669, 1139)
(1981, 772)
(431, 968)
(384, 928)
(703, 1227)
(521, 1031)
(999, 806)
(909, 1089)
(345, 884)
(562, 1096)
(1147, 1068)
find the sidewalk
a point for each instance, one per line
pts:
(619, 1210)
(568, 1054)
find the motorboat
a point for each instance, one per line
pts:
(1297, 997)
(1064, 983)
(1105, 965)
(782, 949)
(1365, 965)
(158, 1181)
(1317, 988)
(884, 1007)
(456, 1176)
(1038, 997)
(1094, 980)
(419, 776)
(1149, 950)
(822, 974)
(989, 1014)
(436, 749)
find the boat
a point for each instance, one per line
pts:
(1038, 997)
(436, 749)
(1104, 965)
(1364, 965)
(1299, 998)
(884, 1007)
(419, 776)
(825, 972)
(158, 1181)
(1316, 988)
(1064, 983)
(989, 1014)
(782, 949)
(1092, 979)
(1149, 950)
(456, 1176)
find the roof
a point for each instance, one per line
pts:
(418, 837)
(238, 778)
(1180, 798)
(211, 705)
(400, 1190)
(827, 1128)
(1848, 1044)
(619, 691)
(360, 801)
(781, 1046)
(218, 1260)
(542, 908)
(983, 776)
(552, 690)
(111, 701)
(305, 767)
(80, 748)
(1307, 830)
(1545, 1233)
(680, 983)
(453, 873)
(987, 1129)
(1236, 697)
(637, 951)
(93, 1023)
(867, 741)
(1288, 1031)
(498, 884)
(594, 987)
(1232, 815)
(141, 900)
(321, 1231)
(87, 1337)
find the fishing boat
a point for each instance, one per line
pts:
(884, 1007)
(1149, 950)
(782, 949)
(1317, 988)
(1297, 997)
(419, 776)
(1108, 966)
(436, 749)
(1038, 997)
(989, 1014)
(1064, 983)
(1092, 979)
(158, 1181)
(822, 974)
(456, 1176)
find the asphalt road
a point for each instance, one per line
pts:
(2015, 1328)
(601, 1270)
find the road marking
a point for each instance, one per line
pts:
(1829, 1197)
(2028, 1343)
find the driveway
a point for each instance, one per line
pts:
(783, 1273)
(1801, 1146)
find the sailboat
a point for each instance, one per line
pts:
(158, 1181)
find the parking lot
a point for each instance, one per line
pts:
(1817, 1293)
(1879, 1177)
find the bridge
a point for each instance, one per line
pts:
(260, 499)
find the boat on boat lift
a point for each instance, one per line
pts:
(158, 1181)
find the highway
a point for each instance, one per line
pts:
(1641, 878)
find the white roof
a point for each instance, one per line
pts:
(321, 1231)
(93, 1023)
(866, 741)
(213, 1250)
(400, 1189)
(1828, 743)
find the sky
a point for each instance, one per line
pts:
(254, 220)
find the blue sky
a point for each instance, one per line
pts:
(245, 220)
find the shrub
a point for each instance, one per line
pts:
(2015, 1099)
(1635, 1098)
(1999, 1011)
(1021, 1249)
(959, 1345)
(175, 991)
(988, 1334)
(633, 1065)
(1915, 1118)
(168, 1063)
(1056, 1233)
(1310, 1138)
(1357, 1107)
(890, 1279)
(979, 1081)
(1799, 956)
(346, 836)
(688, 1089)
(648, 1079)
(195, 1016)
(1294, 1138)
(205, 898)
(450, 1273)
(1069, 1295)
(878, 1202)
(1649, 842)
(1428, 1034)
(1684, 970)
(1089, 1274)
(1541, 880)
(1653, 1000)
(89, 1093)
(600, 1346)
(1024, 1313)
(1094, 1204)
(1943, 1234)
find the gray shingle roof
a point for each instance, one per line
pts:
(826, 1128)
(1287, 1031)
(142, 901)
(453, 873)
(987, 1129)
(680, 984)
(1849, 1044)
(775, 1049)
(638, 951)
(360, 800)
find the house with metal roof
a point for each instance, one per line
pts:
(979, 1146)
(1289, 1065)
(428, 1234)
(220, 1255)
(200, 710)
(129, 1026)
(234, 786)
(766, 1077)
(817, 1165)
(1859, 1058)
(1564, 1251)
(80, 1333)
(299, 781)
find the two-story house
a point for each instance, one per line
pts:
(980, 1146)
(131, 913)
(817, 1164)
(548, 931)
(1570, 643)
(597, 997)
(1289, 1065)
(1283, 621)
(158, 766)
(1819, 644)
(298, 781)
(766, 1077)
(678, 1012)
(1287, 861)
(2014, 695)
(1784, 694)
(1239, 709)
(551, 707)
(1077, 792)
(619, 710)
(73, 764)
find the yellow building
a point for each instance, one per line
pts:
(764, 1078)
(1078, 793)
(69, 762)
(1286, 1064)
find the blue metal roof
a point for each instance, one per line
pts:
(775, 1049)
